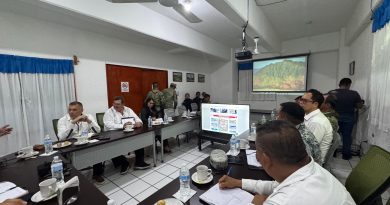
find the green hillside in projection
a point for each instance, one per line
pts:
(286, 75)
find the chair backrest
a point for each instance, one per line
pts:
(333, 147)
(194, 107)
(99, 120)
(371, 176)
(55, 123)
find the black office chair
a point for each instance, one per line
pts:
(55, 123)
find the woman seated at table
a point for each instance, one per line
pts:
(187, 102)
(149, 109)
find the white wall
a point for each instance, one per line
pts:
(322, 73)
(22, 35)
(361, 53)
(223, 84)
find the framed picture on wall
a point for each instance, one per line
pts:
(352, 68)
(201, 78)
(190, 77)
(177, 77)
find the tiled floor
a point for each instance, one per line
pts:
(137, 185)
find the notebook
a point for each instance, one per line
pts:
(217, 196)
(13, 193)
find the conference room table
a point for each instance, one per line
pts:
(24, 174)
(121, 142)
(118, 143)
(238, 171)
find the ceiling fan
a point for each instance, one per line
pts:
(175, 4)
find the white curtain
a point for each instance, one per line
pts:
(33, 92)
(380, 89)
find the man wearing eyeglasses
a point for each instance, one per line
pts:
(316, 121)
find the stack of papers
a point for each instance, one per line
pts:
(251, 158)
(8, 190)
(216, 196)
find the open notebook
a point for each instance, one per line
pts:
(9, 190)
(216, 196)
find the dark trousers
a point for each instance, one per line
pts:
(345, 130)
(139, 156)
(98, 169)
(158, 137)
(120, 161)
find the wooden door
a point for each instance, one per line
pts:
(151, 76)
(140, 83)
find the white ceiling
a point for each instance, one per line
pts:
(292, 18)
(58, 15)
(214, 24)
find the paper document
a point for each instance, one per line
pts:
(177, 195)
(251, 158)
(216, 196)
(12, 194)
(5, 186)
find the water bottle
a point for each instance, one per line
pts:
(237, 143)
(165, 118)
(184, 181)
(233, 144)
(150, 121)
(273, 115)
(57, 169)
(253, 129)
(84, 135)
(47, 142)
(263, 120)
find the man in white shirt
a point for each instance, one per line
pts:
(118, 117)
(316, 121)
(298, 179)
(74, 123)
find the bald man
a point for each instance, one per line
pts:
(298, 179)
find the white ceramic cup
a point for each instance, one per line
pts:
(26, 150)
(244, 143)
(203, 172)
(48, 187)
(129, 127)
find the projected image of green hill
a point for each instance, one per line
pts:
(280, 76)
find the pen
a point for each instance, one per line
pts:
(228, 172)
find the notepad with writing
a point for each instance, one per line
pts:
(217, 196)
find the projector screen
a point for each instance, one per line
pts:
(283, 74)
(227, 119)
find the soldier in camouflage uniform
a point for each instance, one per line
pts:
(295, 114)
(328, 108)
(157, 96)
(170, 97)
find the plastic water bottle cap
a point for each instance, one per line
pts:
(55, 158)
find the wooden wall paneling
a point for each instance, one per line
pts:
(140, 81)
